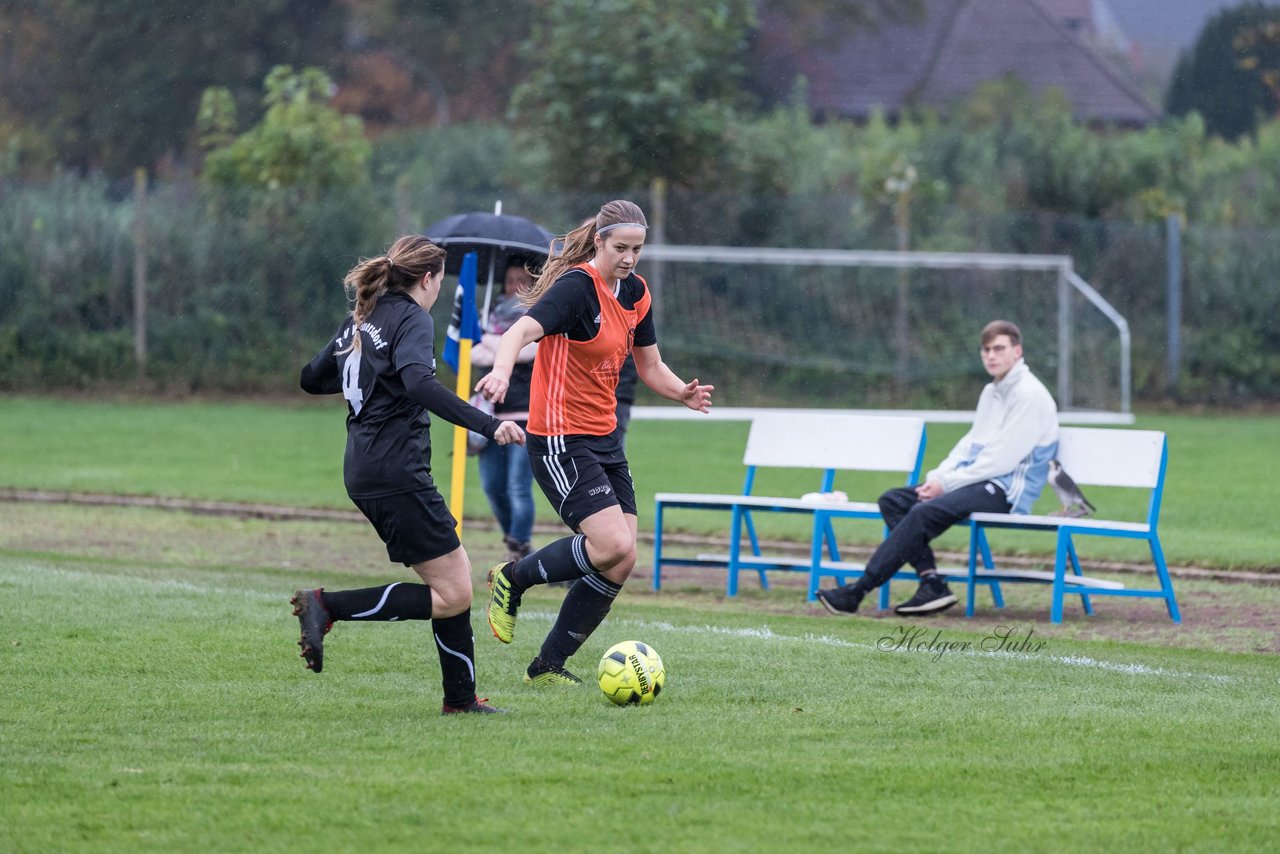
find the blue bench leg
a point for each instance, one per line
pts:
(735, 551)
(815, 558)
(1059, 573)
(657, 548)
(1166, 583)
(1075, 568)
(971, 585)
(755, 546)
(884, 595)
(997, 596)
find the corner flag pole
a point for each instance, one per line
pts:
(463, 330)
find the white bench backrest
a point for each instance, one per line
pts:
(826, 441)
(1105, 457)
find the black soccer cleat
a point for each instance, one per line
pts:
(314, 620)
(475, 707)
(543, 673)
(933, 596)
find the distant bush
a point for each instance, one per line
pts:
(244, 277)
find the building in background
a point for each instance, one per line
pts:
(943, 56)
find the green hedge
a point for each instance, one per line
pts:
(241, 290)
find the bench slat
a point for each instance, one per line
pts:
(1030, 575)
(1016, 520)
(725, 502)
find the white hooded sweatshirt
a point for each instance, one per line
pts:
(1014, 435)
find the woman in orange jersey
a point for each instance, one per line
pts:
(588, 310)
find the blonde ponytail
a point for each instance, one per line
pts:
(579, 245)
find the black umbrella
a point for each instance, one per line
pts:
(497, 238)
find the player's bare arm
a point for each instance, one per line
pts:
(524, 331)
(657, 376)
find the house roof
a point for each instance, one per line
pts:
(942, 57)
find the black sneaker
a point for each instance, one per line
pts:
(841, 600)
(934, 595)
(475, 707)
(544, 673)
(313, 617)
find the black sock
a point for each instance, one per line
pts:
(457, 648)
(396, 601)
(563, 560)
(585, 607)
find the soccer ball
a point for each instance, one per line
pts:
(631, 673)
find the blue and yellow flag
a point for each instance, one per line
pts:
(464, 320)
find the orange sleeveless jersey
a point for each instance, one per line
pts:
(574, 382)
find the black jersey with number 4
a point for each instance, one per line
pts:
(389, 384)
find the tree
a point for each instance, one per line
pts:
(444, 61)
(115, 85)
(293, 188)
(626, 91)
(301, 142)
(1232, 74)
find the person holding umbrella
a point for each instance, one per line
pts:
(588, 310)
(504, 469)
(381, 358)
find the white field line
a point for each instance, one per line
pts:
(765, 633)
(761, 633)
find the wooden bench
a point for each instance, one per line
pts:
(823, 442)
(1092, 457)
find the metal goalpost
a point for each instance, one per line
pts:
(661, 263)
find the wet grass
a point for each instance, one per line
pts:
(153, 701)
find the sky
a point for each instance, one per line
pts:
(1167, 24)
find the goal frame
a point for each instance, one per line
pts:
(657, 254)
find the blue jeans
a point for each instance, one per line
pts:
(508, 482)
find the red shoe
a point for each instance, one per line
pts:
(478, 707)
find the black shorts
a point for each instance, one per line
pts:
(416, 526)
(582, 475)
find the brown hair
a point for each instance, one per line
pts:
(1002, 327)
(579, 245)
(409, 259)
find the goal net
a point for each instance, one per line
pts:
(848, 329)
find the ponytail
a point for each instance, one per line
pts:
(579, 245)
(403, 266)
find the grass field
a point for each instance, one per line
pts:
(151, 697)
(1223, 480)
(153, 700)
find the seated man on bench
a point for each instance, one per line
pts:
(1000, 466)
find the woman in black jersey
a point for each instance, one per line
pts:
(382, 361)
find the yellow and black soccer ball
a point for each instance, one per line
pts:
(631, 673)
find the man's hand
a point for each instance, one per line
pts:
(929, 489)
(508, 432)
(697, 397)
